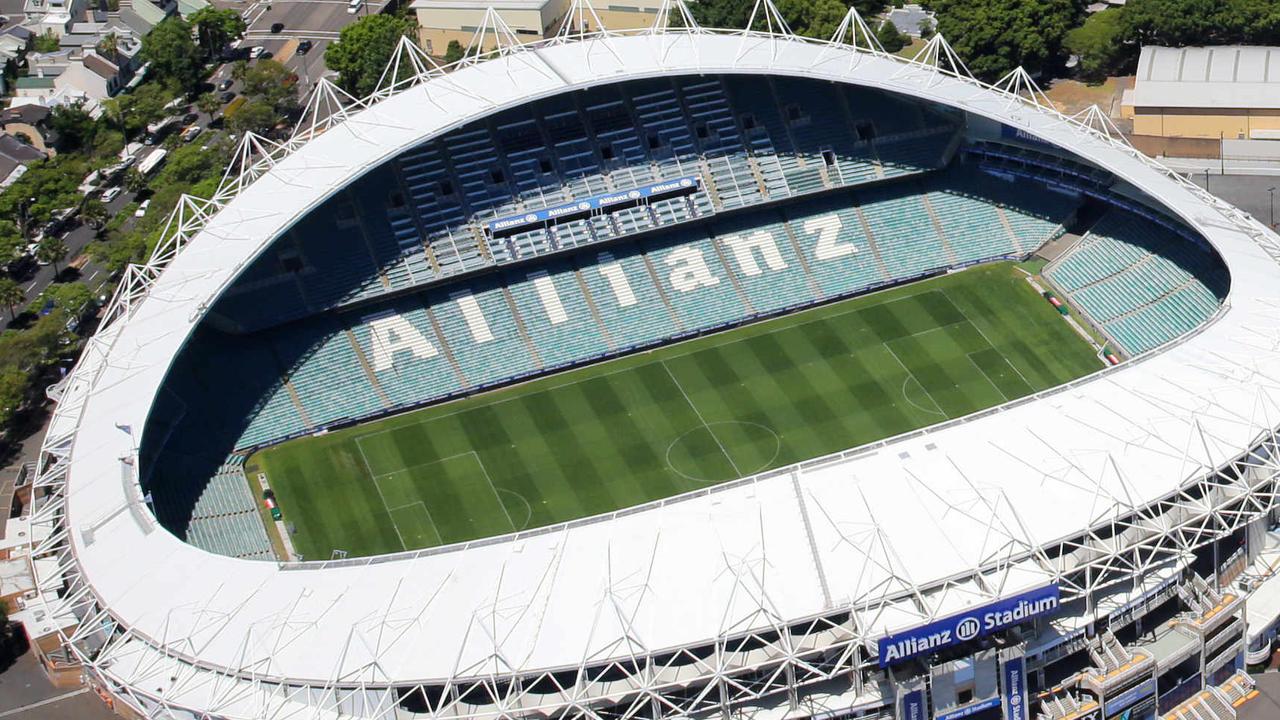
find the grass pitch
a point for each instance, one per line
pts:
(675, 419)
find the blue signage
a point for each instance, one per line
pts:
(970, 709)
(913, 705)
(1012, 133)
(1129, 697)
(968, 625)
(594, 204)
(1015, 688)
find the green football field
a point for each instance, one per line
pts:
(675, 419)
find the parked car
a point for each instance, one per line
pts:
(304, 47)
(225, 85)
(190, 118)
(227, 97)
(190, 133)
(255, 52)
(142, 209)
(111, 194)
(277, 28)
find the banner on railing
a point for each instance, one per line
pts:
(595, 204)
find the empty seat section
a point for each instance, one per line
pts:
(325, 372)
(224, 519)
(1140, 280)
(624, 295)
(404, 353)
(435, 199)
(972, 226)
(332, 267)
(555, 314)
(390, 231)
(831, 237)
(717, 132)
(914, 152)
(264, 294)
(694, 279)
(904, 234)
(763, 259)
(477, 324)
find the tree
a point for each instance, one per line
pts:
(45, 43)
(11, 295)
(272, 83)
(133, 180)
(813, 18)
(996, 36)
(52, 250)
(13, 391)
(255, 116)
(94, 214)
(889, 37)
(172, 53)
(1099, 46)
(215, 29)
(454, 52)
(363, 50)
(208, 103)
(72, 297)
(726, 14)
(74, 127)
(109, 46)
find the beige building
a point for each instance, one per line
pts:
(1229, 92)
(441, 21)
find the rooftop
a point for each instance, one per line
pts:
(1227, 76)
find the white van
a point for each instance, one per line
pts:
(353, 6)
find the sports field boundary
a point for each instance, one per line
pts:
(815, 462)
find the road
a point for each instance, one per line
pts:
(319, 21)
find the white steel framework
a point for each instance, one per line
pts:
(769, 591)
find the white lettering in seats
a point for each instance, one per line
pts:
(689, 270)
(393, 334)
(745, 247)
(614, 275)
(827, 228)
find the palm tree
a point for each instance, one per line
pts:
(11, 294)
(52, 250)
(94, 214)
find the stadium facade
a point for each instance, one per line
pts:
(1077, 553)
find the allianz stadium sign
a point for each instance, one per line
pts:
(970, 624)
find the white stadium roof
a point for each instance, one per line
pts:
(879, 530)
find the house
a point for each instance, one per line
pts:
(142, 15)
(15, 156)
(51, 16)
(27, 122)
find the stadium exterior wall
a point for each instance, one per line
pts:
(235, 639)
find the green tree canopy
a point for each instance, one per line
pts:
(11, 295)
(454, 52)
(363, 50)
(995, 36)
(1099, 45)
(889, 37)
(172, 53)
(74, 128)
(813, 18)
(215, 29)
(45, 187)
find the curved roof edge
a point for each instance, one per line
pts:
(883, 527)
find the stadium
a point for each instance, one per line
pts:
(677, 373)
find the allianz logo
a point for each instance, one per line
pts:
(968, 627)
